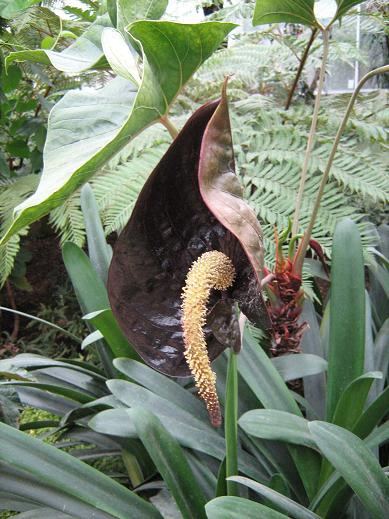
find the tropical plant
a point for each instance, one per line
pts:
(312, 449)
(281, 446)
(254, 67)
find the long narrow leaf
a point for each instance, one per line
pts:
(170, 462)
(347, 313)
(231, 423)
(60, 470)
(353, 460)
(282, 502)
(237, 508)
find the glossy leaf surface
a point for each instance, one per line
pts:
(166, 233)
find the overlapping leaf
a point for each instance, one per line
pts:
(81, 138)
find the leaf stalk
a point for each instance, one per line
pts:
(169, 126)
(307, 235)
(312, 132)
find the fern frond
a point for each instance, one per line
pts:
(68, 220)
(12, 193)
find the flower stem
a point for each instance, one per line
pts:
(169, 126)
(231, 423)
(312, 133)
(308, 232)
(303, 60)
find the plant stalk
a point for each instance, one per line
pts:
(231, 423)
(169, 126)
(308, 233)
(312, 132)
(303, 60)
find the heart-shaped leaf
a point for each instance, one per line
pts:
(119, 55)
(288, 11)
(85, 53)
(81, 139)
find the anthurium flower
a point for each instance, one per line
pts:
(191, 250)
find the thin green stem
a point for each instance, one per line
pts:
(312, 132)
(326, 174)
(169, 126)
(231, 423)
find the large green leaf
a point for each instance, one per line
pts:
(264, 380)
(350, 408)
(82, 138)
(347, 313)
(372, 415)
(187, 429)
(292, 367)
(282, 502)
(90, 291)
(62, 472)
(162, 386)
(271, 424)
(85, 53)
(288, 11)
(358, 466)
(237, 508)
(171, 463)
(130, 10)
(352, 400)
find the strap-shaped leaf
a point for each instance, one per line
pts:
(171, 463)
(347, 313)
(282, 502)
(236, 508)
(271, 424)
(358, 466)
(292, 366)
(61, 471)
(289, 11)
(353, 399)
(81, 138)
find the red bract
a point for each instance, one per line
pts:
(190, 204)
